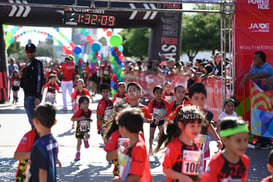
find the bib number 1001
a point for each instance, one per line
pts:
(191, 167)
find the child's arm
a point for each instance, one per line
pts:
(176, 175)
(132, 178)
(42, 175)
(21, 155)
(216, 136)
(78, 119)
(99, 120)
(112, 155)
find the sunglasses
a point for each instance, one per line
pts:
(30, 51)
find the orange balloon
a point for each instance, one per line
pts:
(109, 33)
(88, 37)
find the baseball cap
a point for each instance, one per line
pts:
(30, 47)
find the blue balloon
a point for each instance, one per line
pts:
(120, 48)
(95, 46)
(77, 49)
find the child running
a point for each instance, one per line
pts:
(198, 96)
(44, 152)
(83, 118)
(269, 167)
(134, 91)
(104, 109)
(15, 83)
(182, 160)
(51, 86)
(231, 164)
(120, 97)
(130, 121)
(111, 139)
(80, 91)
(158, 107)
(180, 99)
(168, 94)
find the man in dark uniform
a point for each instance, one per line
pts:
(32, 81)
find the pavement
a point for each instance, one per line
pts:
(93, 165)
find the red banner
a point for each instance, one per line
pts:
(253, 32)
(149, 81)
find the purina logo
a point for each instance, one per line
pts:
(259, 27)
(262, 4)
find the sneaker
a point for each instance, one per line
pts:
(78, 156)
(73, 126)
(86, 144)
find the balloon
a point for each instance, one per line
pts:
(115, 40)
(120, 48)
(113, 92)
(109, 33)
(91, 41)
(77, 49)
(121, 57)
(104, 29)
(72, 45)
(88, 37)
(68, 52)
(95, 46)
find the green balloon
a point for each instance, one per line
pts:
(115, 40)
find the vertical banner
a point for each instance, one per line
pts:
(253, 32)
(3, 68)
(165, 40)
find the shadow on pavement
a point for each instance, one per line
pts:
(7, 172)
(67, 133)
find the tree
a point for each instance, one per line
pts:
(200, 32)
(45, 50)
(13, 48)
(135, 42)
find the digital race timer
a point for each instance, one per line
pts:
(89, 19)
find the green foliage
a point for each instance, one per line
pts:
(135, 42)
(45, 50)
(13, 48)
(200, 32)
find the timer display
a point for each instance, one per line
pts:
(90, 19)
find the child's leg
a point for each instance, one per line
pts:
(152, 132)
(85, 139)
(79, 143)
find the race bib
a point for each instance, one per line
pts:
(84, 125)
(50, 97)
(169, 98)
(229, 179)
(119, 101)
(16, 83)
(106, 72)
(124, 165)
(108, 114)
(158, 113)
(202, 141)
(191, 162)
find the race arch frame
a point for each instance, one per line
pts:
(164, 17)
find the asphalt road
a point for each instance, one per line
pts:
(92, 166)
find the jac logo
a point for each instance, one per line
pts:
(259, 27)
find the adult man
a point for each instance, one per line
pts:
(68, 69)
(260, 70)
(32, 81)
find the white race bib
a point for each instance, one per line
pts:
(106, 72)
(107, 114)
(158, 113)
(191, 162)
(169, 98)
(50, 97)
(16, 83)
(119, 101)
(84, 125)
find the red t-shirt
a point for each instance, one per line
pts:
(112, 143)
(80, 113)
(77, 92)
(106, 71)
(68, 70)
(267, 179)
(173, 105)
(169, 97)
(146, 111)
(158, 105)
(25, 145)
(105, 109)
(52, 87)
(140, 165)
(220, 169)
(174, 156)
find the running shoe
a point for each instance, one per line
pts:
(86, 144)
(78, 156)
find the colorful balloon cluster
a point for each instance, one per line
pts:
(116, 60)
(95, 57)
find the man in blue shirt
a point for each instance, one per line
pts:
(260, 70)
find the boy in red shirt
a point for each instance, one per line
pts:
(130, 121)
(104, 108)
(22, 153)
(134, 93)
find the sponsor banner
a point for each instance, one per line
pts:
(253, 30)
(261, 111)
(149, 81)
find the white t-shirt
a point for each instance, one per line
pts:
(224, 114)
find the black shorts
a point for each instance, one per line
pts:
(160, 123)
(15, 88)
(94, 78)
